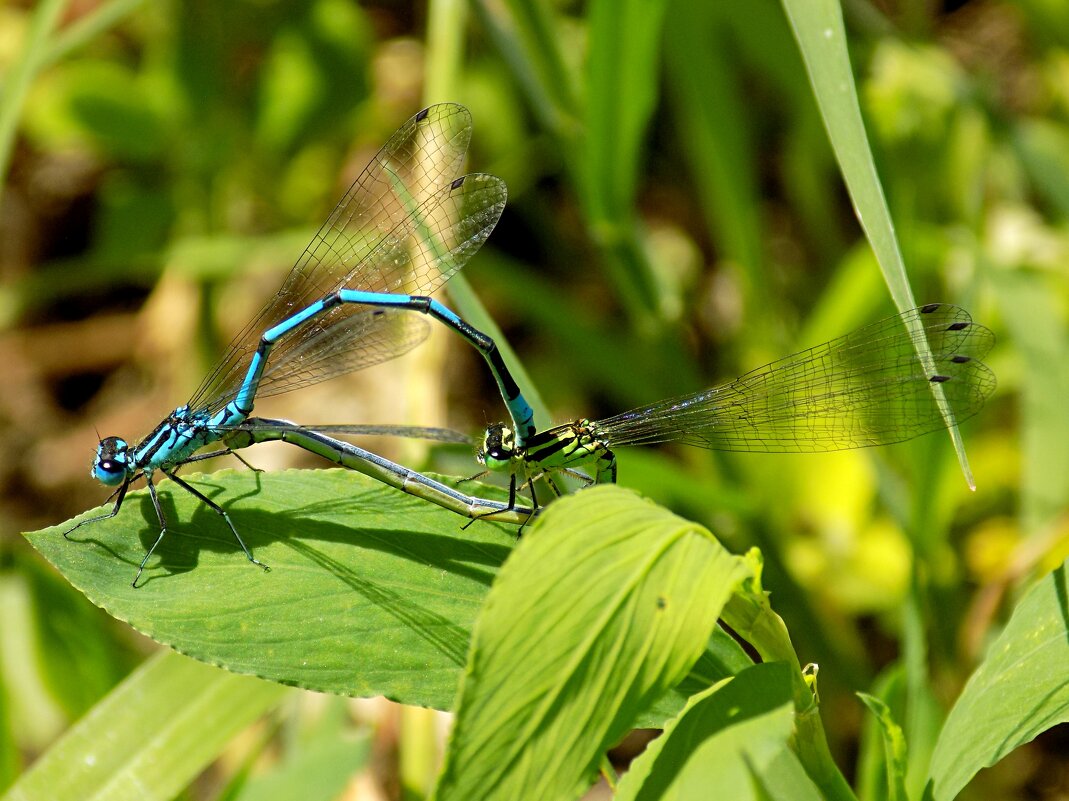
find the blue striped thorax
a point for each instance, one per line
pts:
(171, 443)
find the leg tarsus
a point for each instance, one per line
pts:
(219, 511)
(245, 462)
(534, 503)
(163, 528)
(144, 561)
(120, 492)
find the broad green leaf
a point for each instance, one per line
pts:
(818, 27)
(1020, 690)
(749, 613)
(371, 591)
(734, 737)
(604, 606)
(894, 742)
(68, 636)
(319, 773)
(151, 736)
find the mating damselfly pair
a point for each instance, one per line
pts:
(405, 226)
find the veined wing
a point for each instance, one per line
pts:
(431, 244)
(344, 344)
(863, 389)
(420, 160)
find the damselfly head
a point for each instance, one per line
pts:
(498, 448)
(112, 462)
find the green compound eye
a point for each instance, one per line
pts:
(499, 447)
(495, 463)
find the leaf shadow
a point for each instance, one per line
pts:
(441, 633)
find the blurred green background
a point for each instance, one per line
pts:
(671, 224)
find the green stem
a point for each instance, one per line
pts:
(22, 74)
(87, 28)
(750, 615)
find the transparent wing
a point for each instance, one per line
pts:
(863, 389)
(347, 343)
(430, 245)
(446, 435)
(405, 191)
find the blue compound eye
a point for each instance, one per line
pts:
(111, 464)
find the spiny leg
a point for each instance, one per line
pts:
(224, 452)
(475, 477)
(583, 477)
(120, 492)
(219, 511)
(163, 527)
(245, 462)
(534, 501)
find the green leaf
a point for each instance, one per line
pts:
(623, 80)
(894, 742)
(623, 74)
(69, 637)
(530, 41)
(151, 736)
(319, 771)
(604, 606)
(110, 106)
(750, 615)
(371, 591)
(21, 74)
(1041, 345)
(1020, 690)
(1043, 147)
(818, 27)
(733, 737)
(9, 753)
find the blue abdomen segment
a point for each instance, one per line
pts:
(519, 410)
